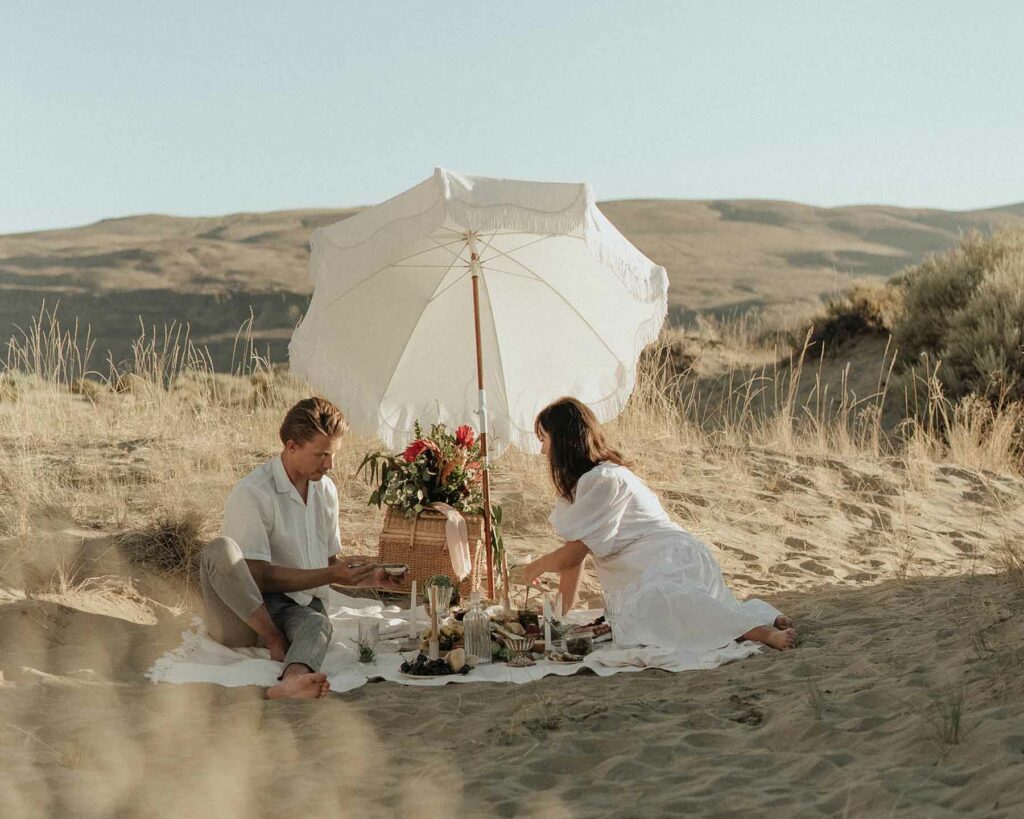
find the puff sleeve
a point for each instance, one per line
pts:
(594, 517)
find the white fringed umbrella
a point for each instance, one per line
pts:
(467, 295)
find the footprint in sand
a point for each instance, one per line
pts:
(799, 544)
(817, 568)
(746, 557)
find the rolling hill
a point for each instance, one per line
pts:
(209, 272)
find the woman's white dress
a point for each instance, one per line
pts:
(662, 587)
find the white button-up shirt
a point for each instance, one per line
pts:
(265, 515)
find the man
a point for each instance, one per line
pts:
(265, 582)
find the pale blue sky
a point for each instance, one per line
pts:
(189, 108)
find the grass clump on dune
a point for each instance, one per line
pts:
(947, 293)
(170, 545)
(956, 323)
(963, 308)
(870, 308)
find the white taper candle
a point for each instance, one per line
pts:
(547, 623)
(412, 613)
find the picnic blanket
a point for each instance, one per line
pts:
(200, 659)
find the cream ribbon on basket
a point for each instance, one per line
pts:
(457, 534)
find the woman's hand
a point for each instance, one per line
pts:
(529, 573)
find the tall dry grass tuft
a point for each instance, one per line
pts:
(1009, 556)
(48, 351)
(170, 546)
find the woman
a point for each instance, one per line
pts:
(662, 587)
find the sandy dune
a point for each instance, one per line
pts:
(857, 722)
(903, 698)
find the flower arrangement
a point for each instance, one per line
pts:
(439, 467)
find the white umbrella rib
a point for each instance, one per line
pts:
(412, 332)
(528, 244)
(568, 303)
(497, 351)
(390, 265)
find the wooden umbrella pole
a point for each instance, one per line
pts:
(474, 265)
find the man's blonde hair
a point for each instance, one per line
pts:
(312, 417)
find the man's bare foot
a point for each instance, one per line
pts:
(782, 621)
(309, 686)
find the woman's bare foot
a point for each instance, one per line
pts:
(782, 621)
(782, 639)
(309, 686)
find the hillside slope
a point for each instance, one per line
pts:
(721, 256)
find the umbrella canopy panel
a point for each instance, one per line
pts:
(566, 306)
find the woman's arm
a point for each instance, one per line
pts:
(569, 556)
(568, 587)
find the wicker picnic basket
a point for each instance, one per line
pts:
(421, 543)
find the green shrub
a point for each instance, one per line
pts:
(869, 308)
(966, 309)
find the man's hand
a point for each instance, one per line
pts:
(278, 645)
(362, 570)
(382, 580)
(353, 571)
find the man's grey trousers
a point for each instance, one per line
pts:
(232, 597)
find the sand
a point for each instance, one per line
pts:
(903, 699)
(850, 724)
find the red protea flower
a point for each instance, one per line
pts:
(464, 436)
(412, 452)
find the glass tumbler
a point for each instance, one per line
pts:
(369, 636)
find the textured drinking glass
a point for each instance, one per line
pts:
(444, 600)
(369, 635)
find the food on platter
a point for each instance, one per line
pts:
(457, 659)
(564, 657)
(452, 636)
(598, 632)
(579, 644)
(423, 666)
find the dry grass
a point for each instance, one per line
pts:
(795, 485)
(170, 546)
(1009, 556)
(747, 458)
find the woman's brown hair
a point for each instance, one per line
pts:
(577, 443)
